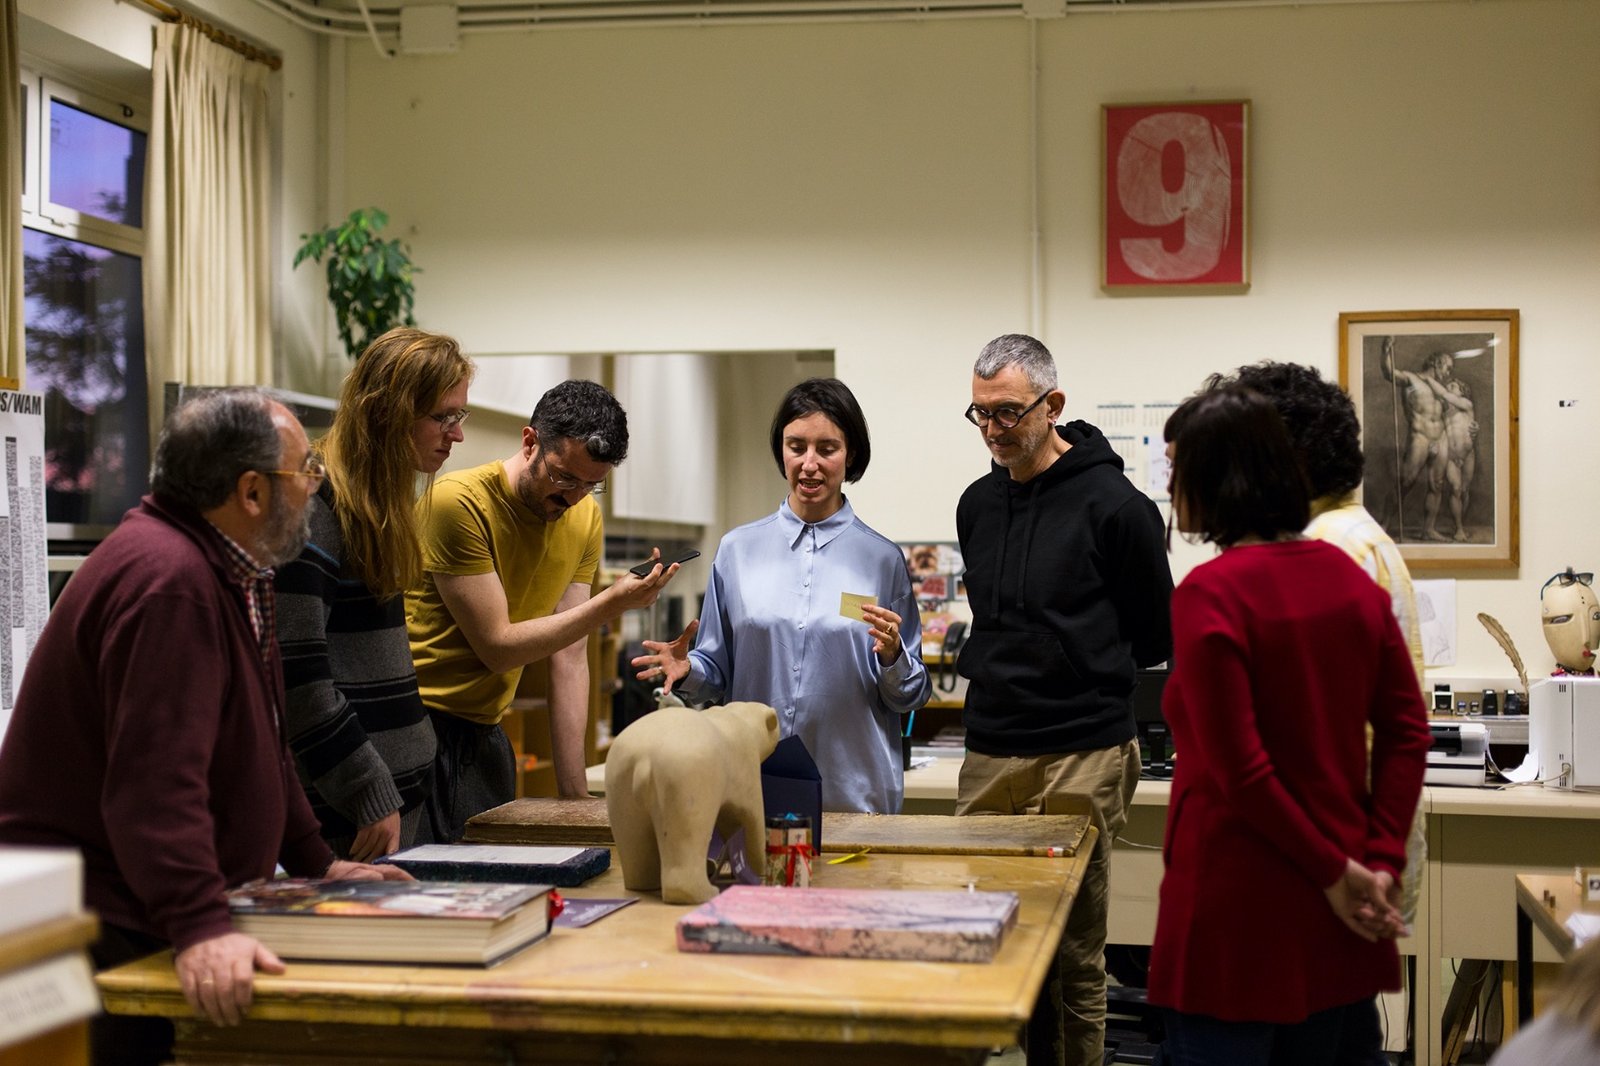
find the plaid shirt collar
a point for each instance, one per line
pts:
(256, 581)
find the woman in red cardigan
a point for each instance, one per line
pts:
(1278, 907)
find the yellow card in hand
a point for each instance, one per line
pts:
(850, 605)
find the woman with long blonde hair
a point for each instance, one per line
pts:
(360, 734)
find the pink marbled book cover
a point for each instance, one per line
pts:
(854, 923)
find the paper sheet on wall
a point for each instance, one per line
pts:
(1436, 610)
(1116, 417)
(1153, 419)
(1127, 446)
(24, 584)
(1158, 469)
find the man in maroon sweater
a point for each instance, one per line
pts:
(148, 731)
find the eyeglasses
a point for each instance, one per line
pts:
(314, 469)
(1567, 577)
(566, 482)
(1008, 417)
(449, 420)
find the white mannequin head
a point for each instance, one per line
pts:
(1570, 613)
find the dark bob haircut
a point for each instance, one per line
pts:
(832, 398)
(1234, 469)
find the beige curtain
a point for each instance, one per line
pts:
(207, 273)
(11, 360)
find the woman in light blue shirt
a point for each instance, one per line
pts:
(773, 629)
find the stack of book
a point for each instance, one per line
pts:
(47, 990)
(418, 922)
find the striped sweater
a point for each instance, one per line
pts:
(361, 738)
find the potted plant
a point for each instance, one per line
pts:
(369, 278)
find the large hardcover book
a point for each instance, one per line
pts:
(38, 885)
(391, 921)
(855, 923)
(504, 863)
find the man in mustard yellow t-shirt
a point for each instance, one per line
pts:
(510, 550)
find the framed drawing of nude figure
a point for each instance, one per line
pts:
(1437, 395)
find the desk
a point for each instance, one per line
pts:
(1544, 901)
(621, 991)
(1479, 840)
(586, 823)
(929, 789)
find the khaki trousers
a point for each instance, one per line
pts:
(1105, 778)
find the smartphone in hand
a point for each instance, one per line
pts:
(644, 568)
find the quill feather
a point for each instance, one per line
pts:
(1498, 632)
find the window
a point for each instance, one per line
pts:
(83, 243)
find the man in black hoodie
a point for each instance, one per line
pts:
(1068, 582)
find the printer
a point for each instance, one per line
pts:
(1564, 730)
(1458, 755)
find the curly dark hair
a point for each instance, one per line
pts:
(1320, 418)
(585, 412)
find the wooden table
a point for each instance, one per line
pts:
(929, 789)
(585, 823)
(1544, 901)
(620, 991)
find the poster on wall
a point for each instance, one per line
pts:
(1436, 392)
(1174, 208)
(24, 585)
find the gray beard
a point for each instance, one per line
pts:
(285, 536)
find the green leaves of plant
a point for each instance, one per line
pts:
(369, 279)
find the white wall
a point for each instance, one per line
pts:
(865, 189)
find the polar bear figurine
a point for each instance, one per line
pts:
(675, 775)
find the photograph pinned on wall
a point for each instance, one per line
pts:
(1173, 206)
(1436, 392)
(930, 560)
(936, 578)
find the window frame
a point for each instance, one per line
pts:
(42, 83)
(38, 210)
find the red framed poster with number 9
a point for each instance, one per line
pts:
(1175, 192)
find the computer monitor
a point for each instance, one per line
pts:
(1155, 742)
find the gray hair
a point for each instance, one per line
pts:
(209, 442)
(1018, 350)
(584, 412)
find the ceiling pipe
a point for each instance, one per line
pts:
(512, 16)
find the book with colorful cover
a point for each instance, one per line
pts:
(852, 923)
(564, 867)
(391, 921)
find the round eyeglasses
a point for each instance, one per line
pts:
(1008, 417)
